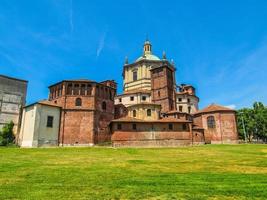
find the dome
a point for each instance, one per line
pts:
(148, 57)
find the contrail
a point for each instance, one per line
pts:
(71, 17)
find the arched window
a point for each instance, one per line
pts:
(134, 113)
(78, 102)
(211, 122)
(104, 105)
(148, 112)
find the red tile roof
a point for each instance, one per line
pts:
(214, 108)
(163, 120)
(48, 103)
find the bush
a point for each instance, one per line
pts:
(6, 135)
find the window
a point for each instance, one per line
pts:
(78, 102)
(104, 105)
(134, 126)
(119, 99)
(180, 99)
(49, 122)
(143, 98)
(135, 76)
(76, 89)
(69, 89)
(148, 112)
(159, 93)
(83, 89)
(188, 100)
(131, 98)
(170, 126)
(211, 122)
(89, 89)
(110, 95)
(189, 109)
(134, 113)
(180, 108)
(184, 127)
(118, 126)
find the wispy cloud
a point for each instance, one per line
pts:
(101, 44)
(232, 106)
(71, 17)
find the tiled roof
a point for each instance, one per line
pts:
(48, 103)
(44, 102)
(134, 92)
(214, 107)
(163, 120)
(144, 103)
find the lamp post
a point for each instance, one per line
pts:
(243, 124)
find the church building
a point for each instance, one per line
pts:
(152, 111)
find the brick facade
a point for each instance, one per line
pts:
(219, 125)
(87, 109)
(163, 87)
(151, 134)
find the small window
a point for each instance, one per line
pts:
(78, 102)
(118, 126)
(184, 127)
(104, 105)
(148, 112)
(76, 89)
(89, 89)
(211, 122)
(134, 126)
(131, 98)
(159, 93)
(134, 113)
(143, 98)
(189, 109)
(110, 95)
(83, 89)
(188, 100)
(180, 108)
(180, 99)
(170, 126)
(69, 89)
(49, 122)
(135, 76)
(119, 99)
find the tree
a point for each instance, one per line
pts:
(253, 122)
(7, 135)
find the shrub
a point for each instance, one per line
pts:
(6, 135)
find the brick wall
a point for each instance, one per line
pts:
(150, 134)
(86, 123)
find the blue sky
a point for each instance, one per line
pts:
(218, 46)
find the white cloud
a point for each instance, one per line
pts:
(101, 44)
(232, 106)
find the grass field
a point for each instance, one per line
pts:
(203, 172)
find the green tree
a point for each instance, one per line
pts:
(253, 122)
(7, 135)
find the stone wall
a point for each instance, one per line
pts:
(12, 99)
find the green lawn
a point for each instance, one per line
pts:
(203, 172)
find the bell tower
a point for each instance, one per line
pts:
(147, 48)
(163, 87)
